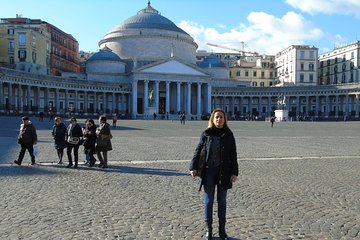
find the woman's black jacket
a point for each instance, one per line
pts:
(228, 162)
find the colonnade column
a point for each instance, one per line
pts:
(122, 104)
(357, 105)
(250, 105)
(178, 88)
(346, 110)
(134, 99)
(1, 96)
(327, 105)
(269, 105)
(46, 97)
(95, 103)
(298, 110)
(10, 96)
(241, 105)
(167, 103)
(307, 105)
(337, 105)
(19, 99)
(317, 106)
(28, 97)
(198, 112)
(66, 101)
(260, 106)
(86, 102)
(57, 101)
(188, 104)
(113, 102)
(104, 102)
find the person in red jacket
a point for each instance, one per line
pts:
(219, 169)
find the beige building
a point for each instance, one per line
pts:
(25, 47)
(340, 66)
(297, 66)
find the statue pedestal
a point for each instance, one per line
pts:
(281, 115)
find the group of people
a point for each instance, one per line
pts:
(96, 140)
(214, 159)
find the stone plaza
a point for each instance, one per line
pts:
(298, 180)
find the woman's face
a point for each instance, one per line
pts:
(219, 119)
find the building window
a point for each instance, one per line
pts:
(34, 57)
(311, 66)
(254, 84)
(33, 40)
(11, 31)
(352, 55)
(238, 73)
(22, 55)
(11, 60)
(311, 77)
(343, 78)
(344, 58)
(301, 77)
(302, 66)
(22, 39)
(11, 46)
(262, 74)
(254, 74)
(262, 84)
(246, 73)
(302, 54)
(311, 54)
(344, 67)
(335, 79)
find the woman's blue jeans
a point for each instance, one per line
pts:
(210, 182)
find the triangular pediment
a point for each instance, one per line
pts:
(172, 67)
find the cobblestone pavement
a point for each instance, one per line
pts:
(297, 181)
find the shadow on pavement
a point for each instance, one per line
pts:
(127, 169)
(24, 170)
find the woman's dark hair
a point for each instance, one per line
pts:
(90, 121)
(102, 118)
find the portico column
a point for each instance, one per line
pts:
(298, 110)
(250, 105)
(208, 108)
(86, 102)
(198, 112)
(134, 99)
(260, 106)
(241, 105)
(327, 105)
(188, 108)
(46, 101)
(346, 105)
(167, 103)
(178, 92)
(146, 96)
(122, 104)
(156, 96)
(28, 97)
(76, 110)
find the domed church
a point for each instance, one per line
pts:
(157, 61)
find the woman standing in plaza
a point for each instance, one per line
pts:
(58, 133)
(103, 143)
(217, 166)
(74, 135)
(89, 132)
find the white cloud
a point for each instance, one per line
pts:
(264, 33)
(344, 7)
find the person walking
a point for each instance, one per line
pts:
(103, 143)
(272, 120)
(219, 169)
(74, 135)
(58, 133)
(27, 139)
(89, 132)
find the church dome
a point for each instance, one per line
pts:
(149, 18)
(148, 37)
(211, 61)
(104, 54)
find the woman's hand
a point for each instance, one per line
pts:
(193, 173)
(233, 178)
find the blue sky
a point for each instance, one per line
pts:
(265, 26)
